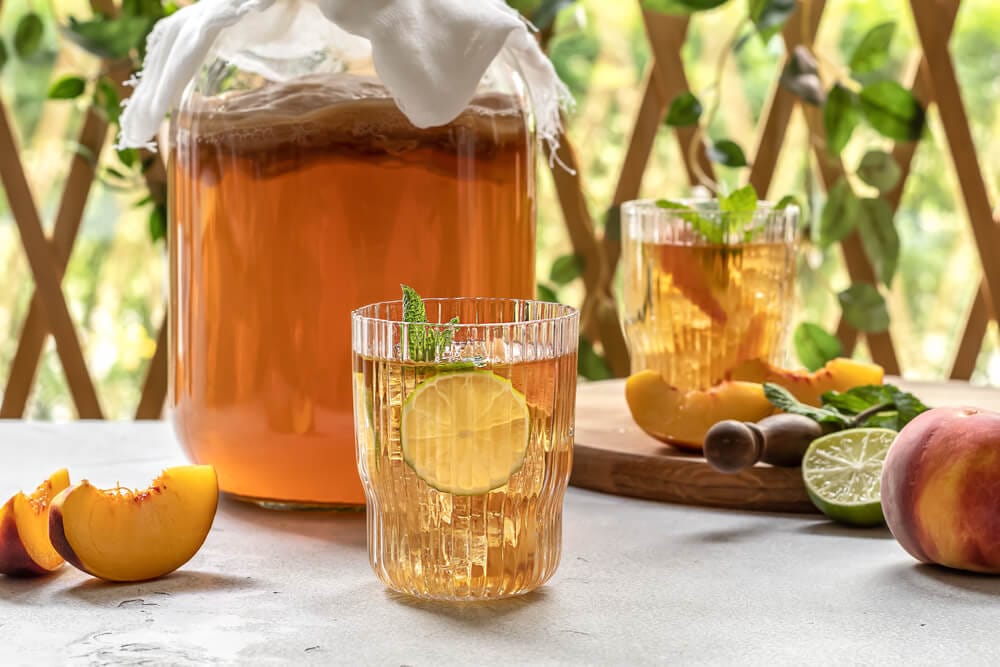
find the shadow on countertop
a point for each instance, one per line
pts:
(346, 528)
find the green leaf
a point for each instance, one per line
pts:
(770, 15)
(158, 222)
(106, 97)
(566, 269)
(110, 38)
(727, 153)
(840, 117)
(739, 207)
(800, 77)
(879, 237)
(872, 51)
(546, 293)
(3, 54)
(419, 339)
(28, 35)
(908, 407)
(685, 110)
(782, 399)
(898, 407)
(681, 6)
(859, 399)
(879, 170)
(67, 88)
(864, 308)
(786, 201)
(128, 156)
(707, 228)
(840, 213)
(814, 346)
(892, 110)
(545, 15)
(590, 364)
(743, 200)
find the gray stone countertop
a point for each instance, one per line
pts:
(640, 583)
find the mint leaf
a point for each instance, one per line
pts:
(739, 206)
(708, 229)
(425, 343)
(782, 399)
(897, 407)
(420, 340)
(743, 200)
(815, 346)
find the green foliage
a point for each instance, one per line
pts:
(685, 110)
(546, 293)
(590, 364)
(544, 16)
(879, 237)
(727, 153)
(28, 35)
(67, 88)
(573, 55)
(769, 16)
(681, 6)
(879, 170)
(864, 308)
(841, 114)
(3, 54)
(840, 214)
(158, 222)
(814, 346)
(110, 38)
(892, 110)
(872, 52)
(566, 269)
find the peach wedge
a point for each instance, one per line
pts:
(683, 418)
(123, 535)
(838, 374)
(25, 550)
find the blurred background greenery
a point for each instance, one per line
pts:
(115, 281)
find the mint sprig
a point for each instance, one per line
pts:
(424, 343)
(883, 406)
(738, 208)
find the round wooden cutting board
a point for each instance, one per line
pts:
(613, 455)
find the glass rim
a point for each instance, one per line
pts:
(566, 313)
(765, 207)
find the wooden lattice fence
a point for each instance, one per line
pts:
(932, 80)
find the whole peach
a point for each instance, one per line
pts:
(941, 488)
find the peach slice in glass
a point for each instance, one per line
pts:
(25, 549)
(123, 535)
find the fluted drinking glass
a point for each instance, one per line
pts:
(464, 442)
(705, 290)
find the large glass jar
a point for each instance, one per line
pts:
(297, 198)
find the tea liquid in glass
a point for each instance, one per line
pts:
(696, 312)
(294, 204)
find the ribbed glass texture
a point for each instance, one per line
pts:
(476, 543)
(704, 295)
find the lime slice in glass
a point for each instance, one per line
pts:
(843, 474)
(465, 433)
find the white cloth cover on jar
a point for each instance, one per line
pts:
(431, 54)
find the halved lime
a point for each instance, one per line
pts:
(465, 433)
(843, 474)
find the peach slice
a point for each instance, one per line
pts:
(25, 550)
(838, 374)
(683, 418)
(123, 535)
